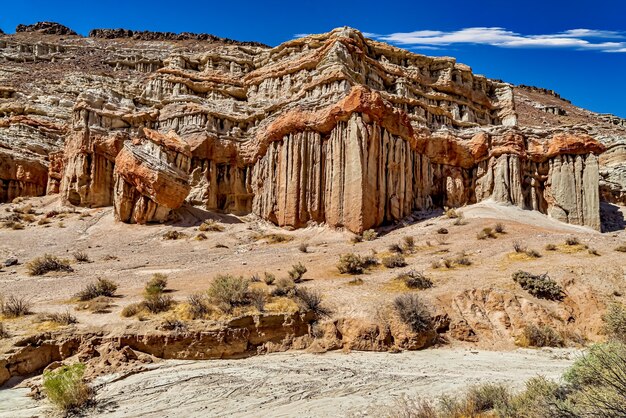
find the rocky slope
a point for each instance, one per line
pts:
(330, 128)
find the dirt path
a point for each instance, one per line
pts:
(333, 384)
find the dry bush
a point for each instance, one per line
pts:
(550, 247)
(462, 260)
(621, 248)
(395, 248)
(478, 400)
(81, 256)
(101, 287)
(157, 303)
(13, 307)
(499, 228)
(201, 237)
(61, 318)
(199, 305)
(303, 247)
(42, 265)
(540, 336)
(615, 322)
(352, 264)
(157, 284)
(393, 261)
(572, 241)
(174, 325)
(173, 235)
(65, 387)
(297, 272)
(284, 287)
(131, 310)
(269, 278)
(370, 235)
(413, 312)
(541, 286)
(311, 300)
(229, 291)
(518, 247)
(415, 280)
(451, 213)
(210, 226)
(408, 243)
(257, 298)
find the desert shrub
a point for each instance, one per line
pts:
(201, 237)
(395, 248)
(269, 278)
(413, 312)
(451, 213)
(447, 263)
(442, 231)
(210, 226)
(65, 387)
(541, 286)
(198, 305)
(408, 243)
(621, 248)
(297, 272)
(593, 251)
(13, 307)
(572, 241)
(550, 247)
(173, 324)
(462, 260)
(415, 280)
(257, 298)
(489, 233)
(598, 381)
(131, 310)
(100, 304)
(370, 235)
(350, 264)
(518, 247)
(311, 300)
(615, 322)
(157, 303)
(393, 261)
(229, 291)
(499, 228)
(81, 256)
(477, 400)
(532, 253)
(540, 398)
(284, 287)
(303, 247)
(540, 336)
(42, 265)
(173, 235)
(28, 218)
(61, 318)
(101, 287)
(157, 284)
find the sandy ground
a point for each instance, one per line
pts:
(304, 385)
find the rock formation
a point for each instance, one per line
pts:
(330, 128)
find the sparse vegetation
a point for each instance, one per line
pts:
(311, 300)
(210, 225)
(499, 228)
(393, 261)
(354, 264)
(157, 303)
(370, 235)
(541, 286)
(408, 243)
(615, 322)
(201, 237)
(174, 235)
(42, 265)
(66, 388)
(415, 280)
(257, 298)
(101, 287)
(157, 284)
(3, 332)
(229, 291)
(413, 312)
(297, 272)
(131, 310)
(441, 240)
(572, 241)
(81, 256)
(199, 305)
(100, 304)
(61, 318)
(284, 287)
(540, 336)
(550, 247)
(13, 307)
(518, 247)
(395, 248)
(356, 281)
(462, 260)
(269, 278)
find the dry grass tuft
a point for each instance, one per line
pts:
(393, 261)
(13, 307)
(297, 272)
(42, 265)
(210, 226)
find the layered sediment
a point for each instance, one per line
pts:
(332, 128)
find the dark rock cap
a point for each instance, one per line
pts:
(46, 28)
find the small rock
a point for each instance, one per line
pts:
(11, 261)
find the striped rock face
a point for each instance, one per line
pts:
(332, 128)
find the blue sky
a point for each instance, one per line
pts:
(533, 42)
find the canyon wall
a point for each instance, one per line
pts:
(332, 128)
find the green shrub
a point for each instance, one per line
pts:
(541, 286)
(102, 287)
(393, 261)
(229, 291)
(157, 303)
(65, 387)
(413, 312)
(157, 284)
(615, 322)
(42, 265)
(415, 280)
(297, 272)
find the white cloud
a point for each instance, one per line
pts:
(579, 39)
